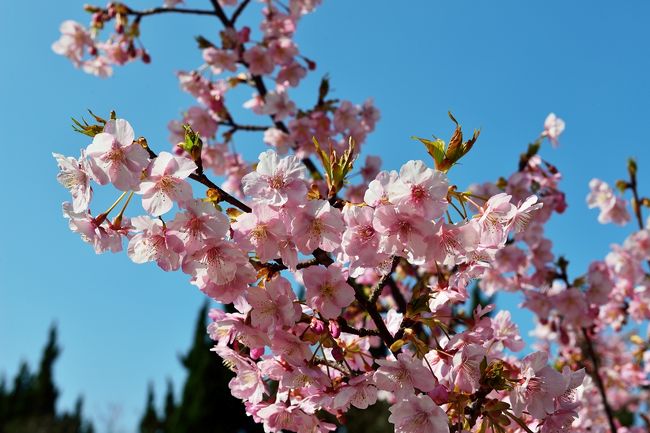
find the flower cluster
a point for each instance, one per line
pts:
(341, 294)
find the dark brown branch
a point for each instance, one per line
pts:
(637, 202)
(599, 381)
(237, 127)
(397, 296)
(258, 81)
(262, 90)
(362, 332)
(218, 11)
(238, 11)
(379, 287)
(371, 309)
(161, 10)
(203, 179)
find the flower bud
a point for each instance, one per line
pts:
(337, 353)
(334, 328)
(317, 326)
(257, 352)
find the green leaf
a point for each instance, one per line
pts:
(435, 148)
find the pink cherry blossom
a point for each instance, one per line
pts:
(276, 181)
(524, 213)
(216, 261)
(230, 291)
(96, 232)
(278, 139)
(466, 371)
(360, 392)
(202, 121)
(261, 230)
(403, 375)
(273, 306)
(114, 156)
(553, 127)
(538, 387)
(155, 244)
(327, 290)
(360, 238)
(200, 221)
(506, 333)
(98, 66)
(278, 105)
(377, 193)
(420, 189)
(612, 208)
(165, 183)
(74, 175)
(496, 216)
(282, 50)
(291, 74)
(317, 225)
(259, 60)
(418, 414)
(73, 41)
(220, 60)
(402, 232)
(248, 383)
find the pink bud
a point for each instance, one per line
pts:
(317, 326)
(257, 352)
(337, 353)
(439, 395)
(244, 35)
(335, 329)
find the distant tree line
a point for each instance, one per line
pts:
(28, 404)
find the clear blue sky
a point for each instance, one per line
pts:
(500, 65)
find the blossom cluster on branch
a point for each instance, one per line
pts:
(339, 293)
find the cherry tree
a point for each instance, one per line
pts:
(341, 293)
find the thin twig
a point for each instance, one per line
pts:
(599, 381)
(162, 10)
(238, 11)
(379, 287)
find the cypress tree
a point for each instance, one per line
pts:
(30, 405)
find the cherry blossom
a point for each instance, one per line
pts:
(73, 41)
(74, 175)
(421, 189)
(155, 244)
(418, 414)
(199, 221)
(317, 225)
(393, 263)
(276, 181)
(165, 183)
(612, 208)
(114, 156)
(553, 127)
(403, 375)
(327, 290)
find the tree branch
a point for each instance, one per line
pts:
(238, 11)
(371, 309)
(599, 381)
(379, 287)
(162, 10)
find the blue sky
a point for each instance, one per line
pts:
(502, 66)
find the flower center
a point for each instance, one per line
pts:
(276, 181)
